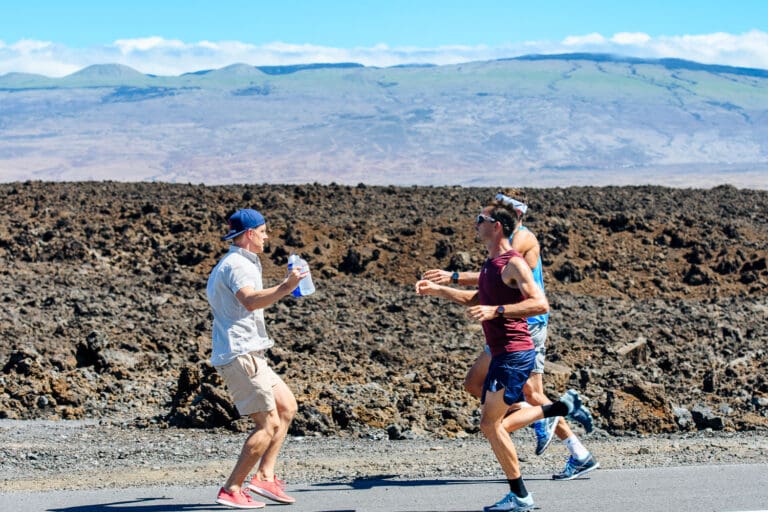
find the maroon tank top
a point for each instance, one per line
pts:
(502, 334)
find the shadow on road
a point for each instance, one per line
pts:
(141, 505)
(370, 482)
(161, 504)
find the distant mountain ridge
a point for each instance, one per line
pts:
(118, 74)
(277, 70)
(107, 74)
(548, 120)
(106, 71)
(668, 63)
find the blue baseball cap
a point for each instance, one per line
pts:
(243, 220)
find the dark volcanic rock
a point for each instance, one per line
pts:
(658, 304)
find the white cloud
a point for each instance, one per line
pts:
(42, 57)
(593, 38)
(161, 56)
(748, 50)
(145, 44)
(30, 46)
(631, 38)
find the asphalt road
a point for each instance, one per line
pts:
(736, 488)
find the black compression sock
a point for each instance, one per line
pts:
(517, 486)
(555, 409)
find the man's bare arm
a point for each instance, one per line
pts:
(462, 297)
(253, 299)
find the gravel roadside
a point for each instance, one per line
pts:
(92, 455)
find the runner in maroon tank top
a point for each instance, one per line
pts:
(581, 461)
(507, 294)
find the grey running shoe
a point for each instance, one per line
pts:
(545, 432)
(577, 411)
(511, 503)
(575, 468)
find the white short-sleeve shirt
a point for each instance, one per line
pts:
(236, 330)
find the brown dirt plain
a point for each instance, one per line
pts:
(658, 302)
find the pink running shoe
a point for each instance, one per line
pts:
(272, 490)
(237, 499)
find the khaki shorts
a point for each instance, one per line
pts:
(539, 337)
(250, 380)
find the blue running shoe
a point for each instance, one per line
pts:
(577, 411)
(575, 468)
(511, 503)
(545, 432)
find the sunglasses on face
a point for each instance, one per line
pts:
(484, 218)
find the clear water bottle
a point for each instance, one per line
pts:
(305, 285)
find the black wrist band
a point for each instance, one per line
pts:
(455, 277)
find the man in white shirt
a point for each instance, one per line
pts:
(237, 298)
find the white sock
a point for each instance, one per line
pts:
(576, 448)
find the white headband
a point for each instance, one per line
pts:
(517, 205)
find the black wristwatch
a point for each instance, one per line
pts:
(455, 277)
(500, 311)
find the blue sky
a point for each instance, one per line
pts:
(173, 36)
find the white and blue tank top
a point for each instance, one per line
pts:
(538, 276)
